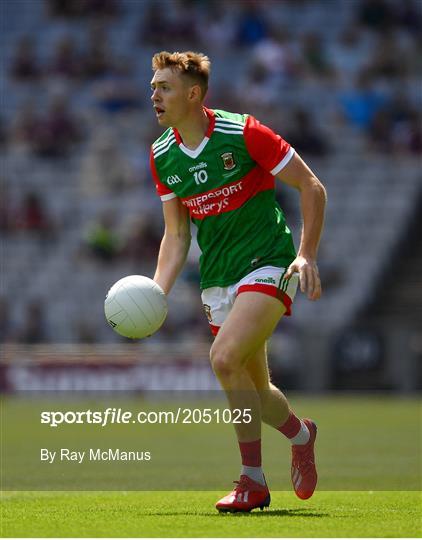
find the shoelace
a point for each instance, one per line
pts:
(305, 468)
(242, 485)
(303, 460)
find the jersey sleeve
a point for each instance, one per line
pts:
(265, 147)
(163, 191)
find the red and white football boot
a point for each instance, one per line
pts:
(304, 475)
(246, 496)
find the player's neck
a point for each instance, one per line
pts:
(192, 130)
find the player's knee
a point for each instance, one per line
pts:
(224, 359)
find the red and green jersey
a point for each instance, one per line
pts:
(227, 183)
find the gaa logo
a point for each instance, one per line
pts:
(228, 161)
(173, 179)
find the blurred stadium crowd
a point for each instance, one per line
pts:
(339, 79)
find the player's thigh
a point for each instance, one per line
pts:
(257, 367)
(250, 323)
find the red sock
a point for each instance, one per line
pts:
(251, 453)
(291, 426)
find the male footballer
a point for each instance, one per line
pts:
(218, 169)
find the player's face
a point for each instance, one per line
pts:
(169, 97)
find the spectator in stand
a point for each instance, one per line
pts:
(155, 25)
(33, 216)
(315, 58)
(64, 8)
(143, 240)
(52, 135)
(66, 61)
(396, 127)
(98, 59)
(304, 136)
(414, 58)
(408, 15)
(4, 136)
(27, 127)
(101, 242)
(59, 130)
(25, 66)
(360, 104)
(407, 137)
(376, 14)
(388, 60)
(380, 131)
(277, 56)
(104, 169)
(34, 326)
(7, 330)
(183, 24)
(6, 213)
(401, 108)
(117, 92)
(218, 32)
(252, 26)
(82, 8)
(102, 8)
(348, 54)
(262, 88)
(175, 21)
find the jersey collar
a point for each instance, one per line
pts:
(195, 153)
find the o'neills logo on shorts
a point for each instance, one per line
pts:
(269, 280)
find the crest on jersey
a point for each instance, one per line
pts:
(228, 161)
(207, 310)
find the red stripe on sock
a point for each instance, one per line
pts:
(251, 453)
(291, 426)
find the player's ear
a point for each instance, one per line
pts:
(195, 93)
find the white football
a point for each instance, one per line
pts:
(135, 307)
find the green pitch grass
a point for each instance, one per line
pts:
(187, 514)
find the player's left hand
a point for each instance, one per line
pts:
(309, 280)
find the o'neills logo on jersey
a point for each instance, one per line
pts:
(201, 165)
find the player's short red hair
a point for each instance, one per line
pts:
(190, 64)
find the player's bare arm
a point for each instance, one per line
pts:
(174, 245)
(313, 199)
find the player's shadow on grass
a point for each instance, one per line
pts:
(292, 512)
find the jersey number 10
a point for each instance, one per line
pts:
(200, 177)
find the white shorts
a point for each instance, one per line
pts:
(218, 301)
